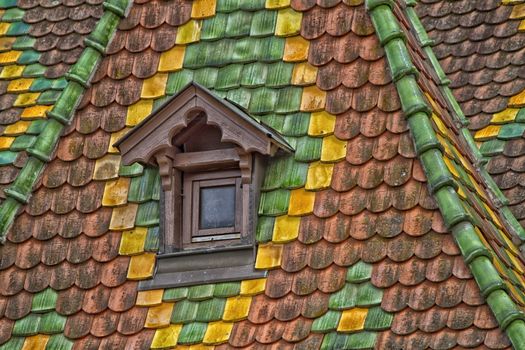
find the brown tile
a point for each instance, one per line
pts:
(312, 342)
(406, 321)
(115, 272)
(412, 271)
(450, 292)
(279, 283)
(88, 274)
(6, 327)
(297, 330)
(53, 250)
(38, 278)
(96, 299)
(87, 343)
(18, 305)
(163, 38)
(295, 256)
(105, 248)
(29, 254)
(105, 324)
(8, 255)
(336, 228)
(96, 223)
(305, 281)
(385, 273)
(141, 340)
(439, 269)
(243, 334)
(64, 276)
(331, 279)
(422, 296)
(80, 250)
(289, 307)
(132, 321)
(471, 337)
(78, 325)
(429, 245)
(114, 341)
(262, 309)
(81, 172)
(90, 197)
(374, 249)
(122, 298)
(70, 300)
(55, 174)
(394, 299)
(270, 332)
(143, 71)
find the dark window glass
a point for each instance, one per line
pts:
(217, 207)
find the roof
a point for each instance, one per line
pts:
(382, 230)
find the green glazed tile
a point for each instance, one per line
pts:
(378, 319)
(24, 43)
(152, 242)
(44, 301)
(274, 202)
(51, 323)
(178, 80)
(270, 49)
(326, 323)
(15, 343)
(192, 333)
(359, 272)
(279, 75)
(7, 157)
(263, 100)
(28, 57)
(34, 70)
(344, 299)
(511, 131)
(36, 127)
(59, 342)
(368, 295)
(27, 326)
(227, 6)
(329, 341)
(159, 102)
(240, 97)
(229, 77)
(274, 121)
(5, 4)
(59, 84)
(295, 176)
(308, 149)
(148, 214)
(360, 340)
(22, 143)
(227, 289)
(264, 230)
(18, 28)
(238, 24)
(201, 292)
(41, 84)
(263, 23)
(175, 294)
(155, 191)
(13, 14)
(184, 311)
(252, 5)
(520, 117)
(244, 50)
(141, 188)
(215, 27)
(254, 74)
(210, 310)
(132, 170)
(296, 124)
(289, 100)
(206, 76)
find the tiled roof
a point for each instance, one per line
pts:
(358, 228)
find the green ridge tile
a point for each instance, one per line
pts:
(132, 170)
(228, 6)
(28, 57)
(24, 43)
(141, 188)
(274, 202)
(5, 4)
(280, 75)
(13, 14)
(210, 310)
(368, 295)
(377, 319)
(511, 131)
(244, 50)
(214, 28)
(240, 97)
(34, 71)
(344, 298)
(36, 127)
(263, 23)
(148, 214)
(59, 342)
(296, 124)
(178, 80)
(264, 231)
(359, 272)
(227, 289)
(44, 301)
(175, 294)
(152, 242)
(26, 326)
(192, 333)
(18, 28)
(308, 149)
(51, 323)
(22, 142)
(289, 100)
(270, 49)
(206, 76)
(14, 343)
(252, 5)
(201, 292)
(326, 323)
(7, 157)
(274, 121)
(239, 24)
(229, 77)
(184, 311)
(41, 84)
(254, 74)
(263, 100)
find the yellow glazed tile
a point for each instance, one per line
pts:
(286, 228)
(301, 202)
(517, 100)
(149, 297)
(159, 316)
(268, 256)
(295, 49)
(451, 166)
(352, 320)
(114, 138)
(354, 2)
(138, 111)
(333, 149)
(107, 167)
(35, 112)
(6, 43)
(461, 192)
(116, 192)
(166, 337)
(123, 218)
(236, 308)
(3, 28)
(154, 86)
(9, 57)
(288, 22)
(17, 128)
(203, 8)
(507, 115)
(132, 241)
(440, 125)
(19, 85)
(319, 175)
(141, 266)
(253, 287)
(217, 332)
(313, 99)
(200, 347)
(521, 28)
(518, 11)
(277, 4)
(12, 71)
(5, 142)
(321, 123)
(27, 99)
(189, 32)
(36, 342)
(304, 74)
(172, 59)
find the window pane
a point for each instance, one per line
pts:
(217, 207)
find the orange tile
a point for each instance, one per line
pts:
(301, 202)
(295, 49)
(36, 342)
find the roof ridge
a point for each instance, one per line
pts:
(441, 182)
(61, 115)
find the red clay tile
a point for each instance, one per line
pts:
(88, 274)
(38, 278)
(305, 281)
(87, 343)
(53, 250)
(80, 250)
(295, 256)
(278, 284)
(331, 279)
(140, 340)
(450, 292)
(132, 321)
(412, 271)
(270, 332)
(6, 327)
(105, 324)
(122, 298)
(297, 330)
(348, 252)
(336, 228)
(289, 307)
(96, 299)
(70, 300)
(63, 276)
(243, 334)
(326, 203)
(78, 325)
(114, 341)
(262, 309)
(18, 305)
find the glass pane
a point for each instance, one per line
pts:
(217, 207)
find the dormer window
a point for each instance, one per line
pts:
(211, 158)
